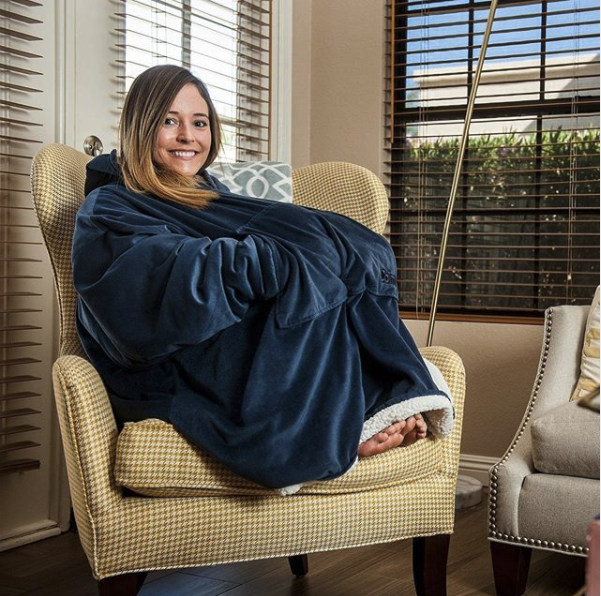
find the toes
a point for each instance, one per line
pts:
(378, 438)
(367, 448)
(421, 427)
(403, 432)
(409, 425)
(415, 429)
(398, 427)
(394, 428)
(375, 446)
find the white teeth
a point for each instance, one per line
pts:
(184, 153)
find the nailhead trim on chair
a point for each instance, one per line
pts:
(571, 548)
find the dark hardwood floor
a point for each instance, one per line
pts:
(57, 567)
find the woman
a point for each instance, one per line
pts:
(266, 333)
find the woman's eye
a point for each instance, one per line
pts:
(201, 124)
(169, 120)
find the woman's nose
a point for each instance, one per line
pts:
(184, 133)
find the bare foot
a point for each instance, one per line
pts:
(405, 432)
(418, 431)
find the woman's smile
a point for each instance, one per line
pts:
(183, 154)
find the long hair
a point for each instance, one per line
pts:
(151, 95)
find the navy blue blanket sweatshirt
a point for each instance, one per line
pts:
(267, 333)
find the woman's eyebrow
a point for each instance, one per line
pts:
(196, 114)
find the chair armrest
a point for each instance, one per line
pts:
(451, 367)
(89, 434)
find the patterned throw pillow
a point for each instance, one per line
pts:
(260, 179)
(589, 365)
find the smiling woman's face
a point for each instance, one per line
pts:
(184, 139)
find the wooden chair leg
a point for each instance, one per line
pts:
(299, 565)
(510, 565)
(121, 585)
(430, 556)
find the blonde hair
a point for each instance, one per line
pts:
(148, 101)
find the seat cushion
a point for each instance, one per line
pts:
(556, 509)
(153, 459)
(565, 440)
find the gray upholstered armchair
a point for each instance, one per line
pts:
(545, 489)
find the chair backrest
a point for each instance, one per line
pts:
(57, 182)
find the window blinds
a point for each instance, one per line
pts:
(20, 263)
(525, 229)
(226, 43)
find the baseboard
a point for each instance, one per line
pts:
(476, 466)
(28, 534)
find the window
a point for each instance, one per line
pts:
(226, 43)
(525, 228)
(22, 287)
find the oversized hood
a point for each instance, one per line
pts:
(102, 170)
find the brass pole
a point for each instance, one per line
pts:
(458, 166)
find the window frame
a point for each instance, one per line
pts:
(399, 97)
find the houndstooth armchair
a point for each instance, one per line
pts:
(145, 499)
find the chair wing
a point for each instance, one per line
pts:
(57, 182)
(344, 188)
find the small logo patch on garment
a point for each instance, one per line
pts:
(387, 276)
